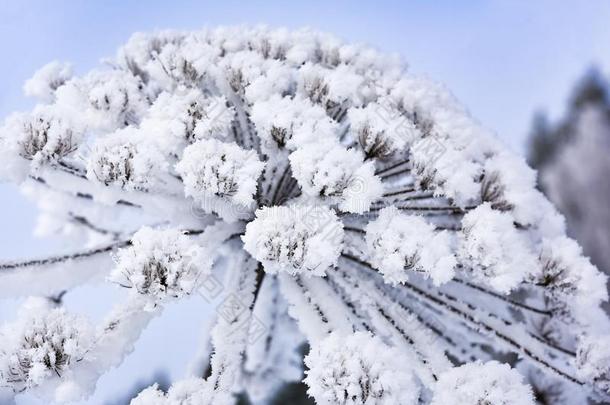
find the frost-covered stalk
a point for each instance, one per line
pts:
(334, 198)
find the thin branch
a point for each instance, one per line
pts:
(355, 230)
(387, 169)
(351, 304)
(77, 255)
(501, 336)
(398, 192)
(473, 320)
(63, 258)
(307, 296)
(58, 298)
(387, 176)
(258, 282)
(81, 220)
(424, 196)
(452, 210)
(503, 298)
(68, 168)
(81, 195)
(280, 185)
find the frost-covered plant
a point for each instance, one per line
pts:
(286, 122)
(330, 198)
(497, 253)
(192, 391)
(359, 369)
(593, 361)
(43, 343)
(41, 136)
(161, 264)
(381, 128)
(188, 115)
(126, 160)
(478, 383)
(222, 177)
(399, 243)
(338, 175)
(297, 239)
(47, 80)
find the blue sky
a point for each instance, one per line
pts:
(503, 59)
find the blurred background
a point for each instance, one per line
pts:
(536, 72)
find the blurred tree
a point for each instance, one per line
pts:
(541, 141)
(573, 160)
(545, 139)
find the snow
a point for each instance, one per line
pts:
(297, 239)
(30, 140)
(330, 87)
(161, 264)
(193, 391)
(291, 122)
(359, 369)
(126, 159)
(493, 251)
(215, 173)
(572, 280)
(105, 99)
(48, 79)
(482, 383)
(176, 119)
(337, 175)
(42, 344)
(399, 243)
(381, 128)
(593, 362)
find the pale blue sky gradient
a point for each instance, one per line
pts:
(503, 59)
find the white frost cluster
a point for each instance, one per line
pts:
(444, 170)
(570, 276)
(482, 383)
(126, 159)
(296, 239)
(510, 185)
(47, 80)
(43, 343)
(359, 369)
(179, 118)
(218, 175)
(192, 391)
(331, 87)
(493, 251)
(399, 243)
(447, 158)
(337, 175)
(593, 362)
(161, 264)
(106, 100)
(290, 122)
(381, 129)
(171, 59)
(28, 141)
